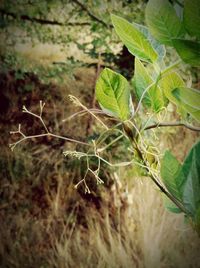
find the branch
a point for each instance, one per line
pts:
(41, 21)
(173, 124)
(90, 118)
(178, 3)
(48, 133)
(91, 14)
(95, 172)
(78, 103)
(24, 137)
(154, 177)
(156, 180)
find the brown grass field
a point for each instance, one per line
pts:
(46, 222)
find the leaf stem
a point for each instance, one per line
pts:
(156, 180)
(45, 135)
(171, 67)
(172, 124)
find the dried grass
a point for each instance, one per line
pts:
(45, 222)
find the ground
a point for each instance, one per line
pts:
(46, 222)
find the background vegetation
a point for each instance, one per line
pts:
(50, 49)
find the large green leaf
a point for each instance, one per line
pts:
(191, 170)
(160, 49)
(186, 99)
(163, 22)
(189, 96)
(113, 94)
(172, 175)
(136, 42)
(188, 50)
(191, 17)
(142, 81)
(189, 99)
(169, 82)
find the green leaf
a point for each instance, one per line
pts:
(186, 99)
(168, 84)
(160, 49)
(163, 22)
(172, 175)
(113, 94)
(191, 170)
(188, 50)
(191, 17)
(136, 42)
(141, 81)
(170, 205)
(153, 98)
(189, 99)
(156, 96)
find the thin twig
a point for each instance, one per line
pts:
(94, 17)
(78, 103)
(83, 112)
(172, 124)
(41, 21)
(24, 137)
(25, 110)
(98, 69)
(111, 143)
(13, 145)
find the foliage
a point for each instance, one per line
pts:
(113, 94)
(155, 85)
(51, 73)
(169, 29)
(184, 181)
(137, 43)
(81, 25)
(181, 181)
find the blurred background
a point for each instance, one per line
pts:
(48, 50)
